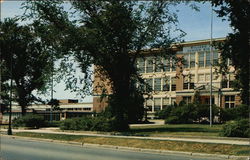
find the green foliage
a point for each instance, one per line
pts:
(29, 120)
(164, 113)
(104, 33)
(238, 112)
(26, 60)
(238, 128)
(187, 113)
(236, 46)
(98, 123)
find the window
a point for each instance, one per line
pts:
(207, 76)
(141, 65)
(158, 64)
(227, 81)
(187, 99)
(173, 100)
(166, 65)
(201, 59)
(208, 59)
(173, 64)
(173, 84)
(229, 101)
(201, 77)
(215, 58)
(149, 65)
(149, 84)
(186, 61)
(188, 82)
(192, 60)
(166, 84)
(149, 104)
(157, 84)
(157, 104)
(231, 80)
(165, 102)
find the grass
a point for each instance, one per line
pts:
(149, 144)
(199, 130)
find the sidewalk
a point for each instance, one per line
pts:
(186, 139)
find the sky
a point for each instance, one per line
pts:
(197, 26)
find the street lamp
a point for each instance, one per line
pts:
(211, 66)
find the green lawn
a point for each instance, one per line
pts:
(198, 130)
(149, 144)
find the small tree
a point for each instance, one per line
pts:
(27, 57)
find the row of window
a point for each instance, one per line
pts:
(204, 59)
(155, 64)
(157, 104)
(229, 100)
(161, 84)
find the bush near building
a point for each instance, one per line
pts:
(237, 128)
(239, 112)
(29, 120)
(186, 113)
(98, 123)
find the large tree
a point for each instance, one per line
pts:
(111, 35)
(26, 59)
(237, 44)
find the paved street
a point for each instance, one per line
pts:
(18, 149)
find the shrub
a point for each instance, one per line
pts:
(182, 114)
(29, 120)
(164, 113)
(99, 123)
(238, 128)
(239, 112)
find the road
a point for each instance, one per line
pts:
(21, 149)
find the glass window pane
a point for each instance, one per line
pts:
(201, 77)
(149, 62)
(227, 98)
(157, 84)
(165, 101)
(166, 65)
(149, 83)
(201, 59)
(166, 83)
(158, 64)
(173, 83)
(192, 60)
(141, 65)
(215, 57)
(157, 104)
(208, 59)
(186, 61)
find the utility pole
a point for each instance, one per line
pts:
(211, 66)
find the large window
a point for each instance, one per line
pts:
(165, 102)
(166, 84)
(187, 99)
(157, 84)
(149, 65)
(149, 85)
(192, 60)
(186, 61)
(149, 104)
(173, 83)
(229, 101)
(227, 81)
(141, 65)
(158, 64)
(188, 82)
(166, 65)
(157, 104)
(201, 59)
(208, 62)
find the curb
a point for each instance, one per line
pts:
(123, 148)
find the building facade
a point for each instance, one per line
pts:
(173, 82)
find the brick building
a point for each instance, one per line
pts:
(174, 83)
